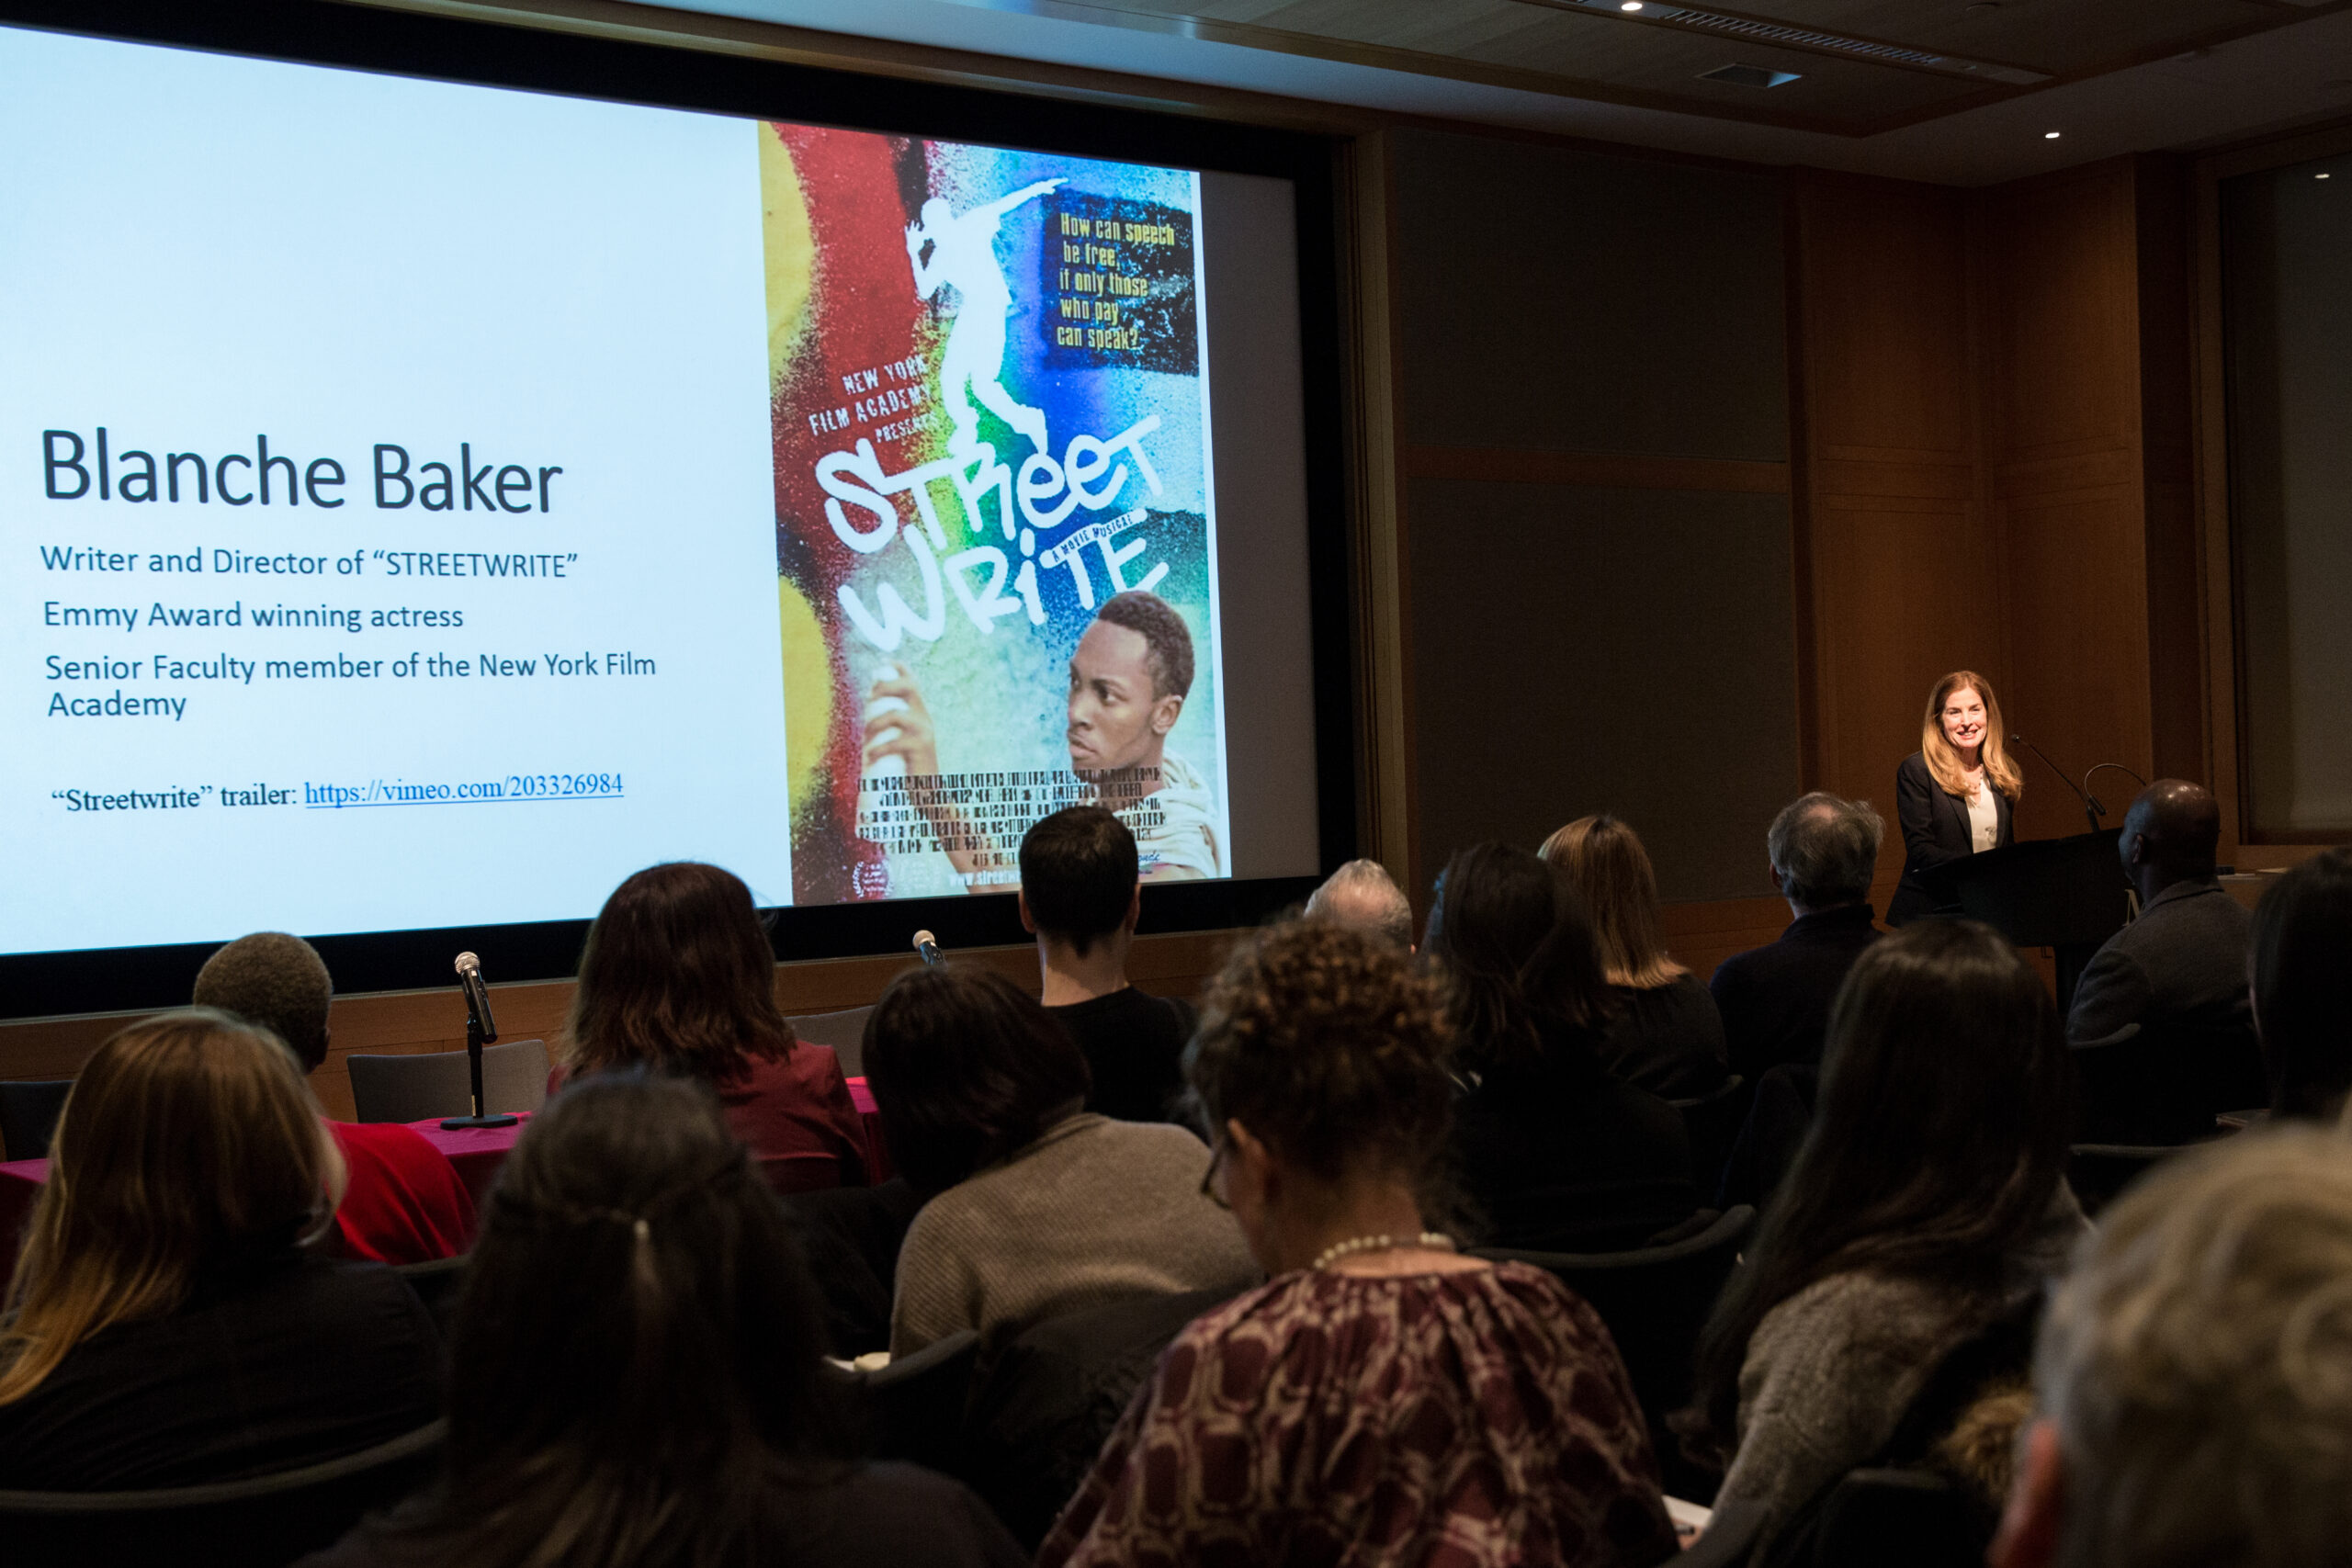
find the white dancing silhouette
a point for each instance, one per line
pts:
(963, 252)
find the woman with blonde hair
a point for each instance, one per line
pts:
(169, 1322)
(1954, 796)
(1667, 1037)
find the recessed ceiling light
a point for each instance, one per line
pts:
(2052, 135)
(2321, 175)
(1630, 6)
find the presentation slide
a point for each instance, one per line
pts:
(428, 503)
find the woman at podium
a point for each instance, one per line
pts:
(1955, 794)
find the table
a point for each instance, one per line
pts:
(476, 1152)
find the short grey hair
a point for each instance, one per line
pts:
(1361, 896)
(2198, 1364)
(1825, 848)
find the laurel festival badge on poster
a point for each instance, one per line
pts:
(996, 536)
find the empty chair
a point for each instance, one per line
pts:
(28, 1111)
(1653, 1300)
(843, 1030)
(263, 1522)
(439, 1083)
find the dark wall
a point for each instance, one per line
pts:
(1600, 606)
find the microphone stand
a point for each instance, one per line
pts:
(479, 1030)
(2092, 810)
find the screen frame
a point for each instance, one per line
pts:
(518, 56)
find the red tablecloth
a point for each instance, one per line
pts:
(477, 1152)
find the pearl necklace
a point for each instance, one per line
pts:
(1436, 1241)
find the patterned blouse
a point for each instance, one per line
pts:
(1462, 1420)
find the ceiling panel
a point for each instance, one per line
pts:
(2057, 36)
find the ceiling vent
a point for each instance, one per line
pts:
(1749, 76)
(1814, 41)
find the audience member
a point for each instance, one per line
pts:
(1775, 1001)
(678, 977)
(1666, 1036)
(2302, 986)
(1080, 895)
(166, 1325)
(1381, 1400)
(2182, 965)
(1555, 1153)
(2195, 1373)
(1928, 1200)
(636, 1373)
(1035, 1206)
(1361, 896)
(403, 1202)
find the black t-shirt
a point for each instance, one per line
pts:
(283, 1362)
(1667, 1039)
(1135, 1048)
(876, 1516)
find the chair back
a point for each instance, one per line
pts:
(2099, 1172)
(266, 1522)
(806, 1171)
(437, 1083)
(2165, 1083)
(438, 1282)
(1712, 1121)
(843, 1030)
(1912, 1516)
(916, 1403)
(1653, 1300)
(29, 1113)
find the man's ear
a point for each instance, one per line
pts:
(1780, 882)
(1134, 909)
(1164, 714)
(2028, 1534)
(1028, 923)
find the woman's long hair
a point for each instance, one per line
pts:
(1943, 763)
(1515, 951)
(677, 975)
(1939, 1139)
(189, 1140)
(635, 1379)
(1605, 863)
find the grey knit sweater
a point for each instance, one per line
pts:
(1093, 1210)
(1830, 1371)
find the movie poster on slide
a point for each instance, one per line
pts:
(996, 534)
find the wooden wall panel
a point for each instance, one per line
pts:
(2058, 270)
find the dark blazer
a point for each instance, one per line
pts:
(2180, 966)
(1775, 1001)
(1935, 833)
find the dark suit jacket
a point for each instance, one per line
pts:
(2180, 964)
(1775, 1001)
(1935, 833)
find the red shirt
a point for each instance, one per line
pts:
(797, 1108)
(404, 1202)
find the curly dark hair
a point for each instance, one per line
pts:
(1328, 1046)
(1155, 621)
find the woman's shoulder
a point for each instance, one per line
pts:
(1915, 768)
(1839, 1311)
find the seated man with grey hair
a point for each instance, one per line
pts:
(2193, 1379)
(1775, 999)
(1361, 896)
(404, 1201)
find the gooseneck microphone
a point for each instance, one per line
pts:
(928, 946)
(481, 1029)
(478, 1017)
(2092, 809)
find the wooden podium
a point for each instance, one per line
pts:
(2068, 895)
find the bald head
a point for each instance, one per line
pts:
(1361, 896)
(2171, 834)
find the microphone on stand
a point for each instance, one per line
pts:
(481, 1029)
(928, 946)
(2092, 809)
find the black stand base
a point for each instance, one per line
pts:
(454, 1122)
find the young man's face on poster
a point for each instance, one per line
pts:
(1116, 720)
